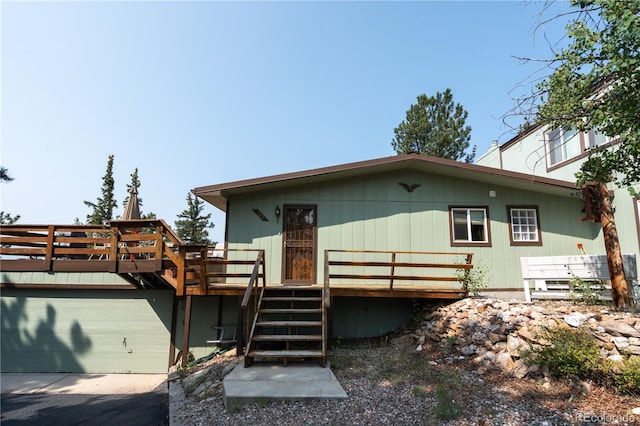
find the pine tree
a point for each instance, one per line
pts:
(6, 218)
(102, 209)
(435, 126)
(135, 183)
(192, 225)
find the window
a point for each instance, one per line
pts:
(595, 138)
(524, 228)
(563, 144)
(469, 226)
(636, 202)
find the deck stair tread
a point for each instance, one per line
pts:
(286, 354)
(289, 323)
(290, 310)
(290, 299)
(288, 337)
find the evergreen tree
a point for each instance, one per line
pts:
(4, 175)
(6, 218)
(192, 224)
(435, 126)
(135, 183)
(102, 209)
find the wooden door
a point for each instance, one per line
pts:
(299, 244)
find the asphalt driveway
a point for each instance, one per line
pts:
(72, 399)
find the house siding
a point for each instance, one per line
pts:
(373, 212)
(528, 155)
(85, 331)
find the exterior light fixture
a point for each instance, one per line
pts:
(277, 212)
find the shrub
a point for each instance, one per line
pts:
(587, 292)
(628, 378)
(473, 280)
(447, 408)
(572, 352)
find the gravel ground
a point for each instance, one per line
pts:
(391, 384)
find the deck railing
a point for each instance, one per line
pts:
(68, 247)
(386, 268)
(250, 302)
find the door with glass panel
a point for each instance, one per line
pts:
(299, 244)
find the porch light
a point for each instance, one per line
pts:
(277, 212)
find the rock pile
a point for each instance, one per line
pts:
(494, 333)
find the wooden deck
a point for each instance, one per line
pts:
(150, 248)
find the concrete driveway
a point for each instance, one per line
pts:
(77, 399)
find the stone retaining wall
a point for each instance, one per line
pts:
(495, 332)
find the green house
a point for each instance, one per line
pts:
(404, 203)
(377, 235)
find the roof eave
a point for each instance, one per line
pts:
(218, 194)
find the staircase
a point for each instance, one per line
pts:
(291, 323)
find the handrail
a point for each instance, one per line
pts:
(252, 289)
(393, 266)
(49, 243)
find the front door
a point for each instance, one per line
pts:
(299, 244)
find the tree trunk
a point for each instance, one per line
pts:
(619, 288)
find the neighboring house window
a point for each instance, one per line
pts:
(636, 202)
(563, 144)
(595, 138)
(524, 227)
(469, 226)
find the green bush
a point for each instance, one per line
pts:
(628, 378)
(572, 352)
(587, 292)
(447, 408)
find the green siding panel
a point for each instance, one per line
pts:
(85, 331)
(375, 213)
(204, 317)
(356, 317)
(81, 278)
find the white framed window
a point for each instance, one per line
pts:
(469, 226)
(524, 226)
(562, 145)
(595, 138)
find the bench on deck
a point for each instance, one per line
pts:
(554, 277)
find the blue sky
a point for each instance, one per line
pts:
(199, 93)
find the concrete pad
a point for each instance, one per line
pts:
(94, 384)
(269, 382)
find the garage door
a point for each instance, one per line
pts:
(85, 331)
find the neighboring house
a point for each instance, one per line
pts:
(558, 154)
(406, 203)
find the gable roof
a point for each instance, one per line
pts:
(219, 194)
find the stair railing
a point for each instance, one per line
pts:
(252, 299)
(326, 304)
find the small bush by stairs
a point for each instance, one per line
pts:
(291, 323)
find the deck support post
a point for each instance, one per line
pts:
(185, 333)
(172, 343)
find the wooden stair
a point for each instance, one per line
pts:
(291, 323)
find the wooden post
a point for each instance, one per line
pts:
(185, 333)
(204, 281)
(180, 270)
(172, 343)
(113, 250)
(393, 269)
(619, 287)
(48, 257)
(240, 332)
